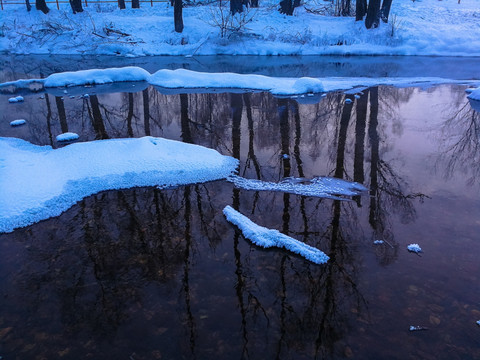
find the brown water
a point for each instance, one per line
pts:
(160, 274)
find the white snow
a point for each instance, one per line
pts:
(68, 136)
(15, 99)
(475, 94)
(417, 328)
(182, 78)
(37, 182)
(187, 79)
(378, 242)
(319, 187)
(414, 248)
(268, 238)
(95, 76)
(427, 27)
(18, 122)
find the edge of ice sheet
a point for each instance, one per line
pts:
(475, 94)
(267, 238)
(326, 187)
(187, 79)
(38, 182)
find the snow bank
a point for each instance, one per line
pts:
(97, 76)
(182, 78)
(38, 182)
(268, 238)
(427, 27)
(319, 187)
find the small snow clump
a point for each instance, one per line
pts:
(68, 136)
(18, 122)
(414, 248)
(15, 99)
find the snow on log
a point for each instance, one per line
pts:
(268, 238)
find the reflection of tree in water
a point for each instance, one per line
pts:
(388, 190)
(100, 276)
(132, 240)
(460, 143)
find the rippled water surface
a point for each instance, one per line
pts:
(160, 274)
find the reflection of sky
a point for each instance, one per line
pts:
(129, 232)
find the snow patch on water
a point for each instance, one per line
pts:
(319, 187)
(68, 136)
(268, 238)
(38, 182)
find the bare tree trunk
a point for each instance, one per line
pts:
(345, 8)
(135, 4)
(236, 6)
(373, 14)
(385, 10)
(76, 6)
(42, 6)
(286, 7)
(29, 7)
(360, 10)
(177, 15)
(121, 4)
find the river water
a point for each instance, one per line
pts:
(160, 274)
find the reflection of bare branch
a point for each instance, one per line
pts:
(460, 138)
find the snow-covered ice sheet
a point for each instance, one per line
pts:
(268, 238)
(187, 79)
(97, 76)
(182, 78)
(326, 187)
(37, 182)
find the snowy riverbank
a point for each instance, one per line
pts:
(426, 27)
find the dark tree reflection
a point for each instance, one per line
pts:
(460, 144)
(147, 273)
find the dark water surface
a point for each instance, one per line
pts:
(160, 274)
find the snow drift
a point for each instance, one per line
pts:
(37, 182)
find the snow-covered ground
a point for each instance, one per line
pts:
(422, 27)
(37, 182)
